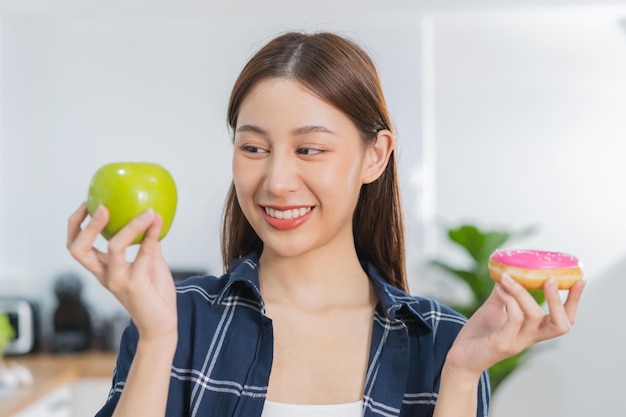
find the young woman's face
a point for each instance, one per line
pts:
(298, 167)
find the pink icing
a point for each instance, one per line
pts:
(535, 259)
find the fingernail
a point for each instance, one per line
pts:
(147, 214)
(98, 213)
(551, 283)
(506, 278)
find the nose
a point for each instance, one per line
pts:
(281, 175)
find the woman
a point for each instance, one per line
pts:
(312, 316)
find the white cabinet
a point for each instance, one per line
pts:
(56, 404)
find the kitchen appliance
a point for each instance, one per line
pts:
(23, 318)
(72, 320)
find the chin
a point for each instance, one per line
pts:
(285, 251)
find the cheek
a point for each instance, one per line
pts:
(344, 178)
(243, 178)
(352, 172)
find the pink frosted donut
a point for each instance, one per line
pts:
(532, 268)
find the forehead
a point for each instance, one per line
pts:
(287, 101)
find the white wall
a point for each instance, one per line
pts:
(83, 89)
(531, 130)
(530, 126)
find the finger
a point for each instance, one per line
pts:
(81, 247)
(514, 314)
(125, 237)
(533, 326)
(150, 244)
(573, 300)
(557, 322)
(497, 316)
(95, 226)
(533, 313)
(74, 222)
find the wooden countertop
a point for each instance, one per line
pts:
(52, 371)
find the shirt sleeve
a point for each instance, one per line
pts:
(128, 347)
(484, 395)
(446, 324)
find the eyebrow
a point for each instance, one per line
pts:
(296, 132)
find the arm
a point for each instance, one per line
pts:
(509, 322)
(146, 289)
(147, 385)
(458, 394)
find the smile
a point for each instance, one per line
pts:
(287, 214)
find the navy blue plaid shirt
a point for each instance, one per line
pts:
(224, 357)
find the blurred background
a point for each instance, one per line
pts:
(510, 114)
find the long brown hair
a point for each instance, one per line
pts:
(341, 73)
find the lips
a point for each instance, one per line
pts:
(287, 214)
(288, 218)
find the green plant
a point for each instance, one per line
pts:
(479, 245)
(6, 333)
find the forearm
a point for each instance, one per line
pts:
(147, 386)
(458, 394)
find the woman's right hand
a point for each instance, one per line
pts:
(145, 286)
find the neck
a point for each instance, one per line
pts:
(315, 280)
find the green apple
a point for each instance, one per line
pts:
(127, 189)
(6, 333)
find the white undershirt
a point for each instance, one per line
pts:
(274, 409)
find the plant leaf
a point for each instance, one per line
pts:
(466, 276)
(538, 295)
(491, 241)
(479, 244)
(468, 237)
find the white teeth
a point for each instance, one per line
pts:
(287, 214)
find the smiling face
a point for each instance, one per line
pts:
(298, 167)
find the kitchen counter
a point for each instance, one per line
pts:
(53, 371)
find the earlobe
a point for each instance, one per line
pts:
(378, 155)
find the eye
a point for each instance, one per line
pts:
(253, 149)
(309, 151)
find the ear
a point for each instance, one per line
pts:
(377, 155)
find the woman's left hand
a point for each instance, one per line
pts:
(510, 321)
